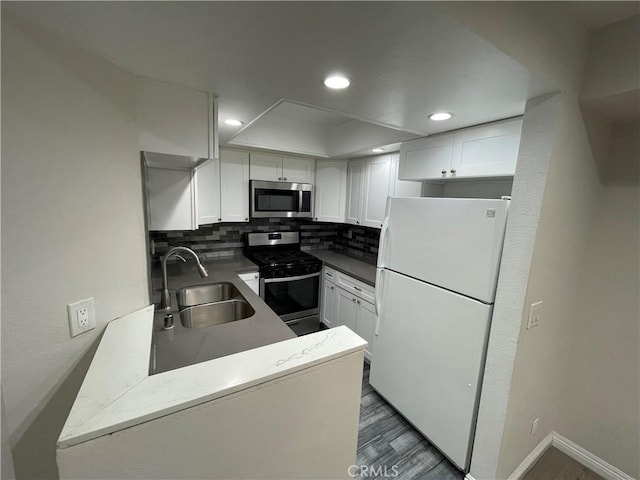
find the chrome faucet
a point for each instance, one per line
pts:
(165, 301)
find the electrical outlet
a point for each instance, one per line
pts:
(535, 315)
(81, 316)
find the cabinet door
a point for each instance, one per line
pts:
(402, 188)
(354, 191)
(328, 304)
(234, 186)
(487, 151)
(207, 178)
(365, 324)
(346, 309)
(299, 170)
(330, 190)
(426, 158)
(376, 190)
(252, 280)
(265, 166)
(170, 198)
(172, 119)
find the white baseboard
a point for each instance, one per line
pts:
(468, 477)
(532, 458)
(588, 459)
(573, 450)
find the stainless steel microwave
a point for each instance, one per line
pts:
(281, 199)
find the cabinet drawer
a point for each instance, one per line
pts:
(358, 288)
(330, 274)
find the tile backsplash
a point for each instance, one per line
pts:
(226, 239)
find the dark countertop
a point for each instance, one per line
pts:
(353, 267)
(180, 346)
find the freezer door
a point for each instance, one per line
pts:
(429, 360)
(455, 243)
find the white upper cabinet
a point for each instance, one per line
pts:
(330, 190)
(426, 158)
(276, 168)
(484, 151)
(175, 120)
(375, 190)
(234, 186)
(170, 199)
(265, 166)
(368, 183)
(487, 151)
(299, 170)
(355, 181)
(402, 188)
(207, 178)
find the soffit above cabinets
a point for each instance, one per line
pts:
(309, 130)
(405, 60)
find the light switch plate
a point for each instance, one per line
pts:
(82, 316)
(535, 314)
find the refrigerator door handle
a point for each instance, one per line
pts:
(383, 241)
(378, 290)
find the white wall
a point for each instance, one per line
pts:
(72, 225)
(601, 395)
(546, 40)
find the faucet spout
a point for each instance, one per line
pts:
(165, 301)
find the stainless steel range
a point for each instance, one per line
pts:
(289, 278)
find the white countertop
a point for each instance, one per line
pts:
(118, 392)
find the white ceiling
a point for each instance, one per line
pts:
(405, 59)
(595, 15)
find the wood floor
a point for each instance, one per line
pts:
(555, 465)
(388, 447)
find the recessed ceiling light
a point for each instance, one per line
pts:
(440, 116)
(377, 150)
(337, 82)
(233, 122)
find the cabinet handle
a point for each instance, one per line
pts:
(453, 171)
(328, 274)
(358, 222)
(357, 289)
(219, 219)
(280, 178)
(285, 179)
(358, 302)
(444, 172)
(246, 219)
(331, 287)
(353, 299)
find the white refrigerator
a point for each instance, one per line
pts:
(437, 271)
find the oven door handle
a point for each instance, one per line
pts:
(291, 279)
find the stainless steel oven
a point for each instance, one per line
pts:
(289, 278)
(281, 199)
(292, 297)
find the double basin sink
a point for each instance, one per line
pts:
(211, 304)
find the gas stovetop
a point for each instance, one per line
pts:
(278, 254)
(281, 257)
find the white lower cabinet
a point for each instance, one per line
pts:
(341, 306)
(328, 314)
(252, 279)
